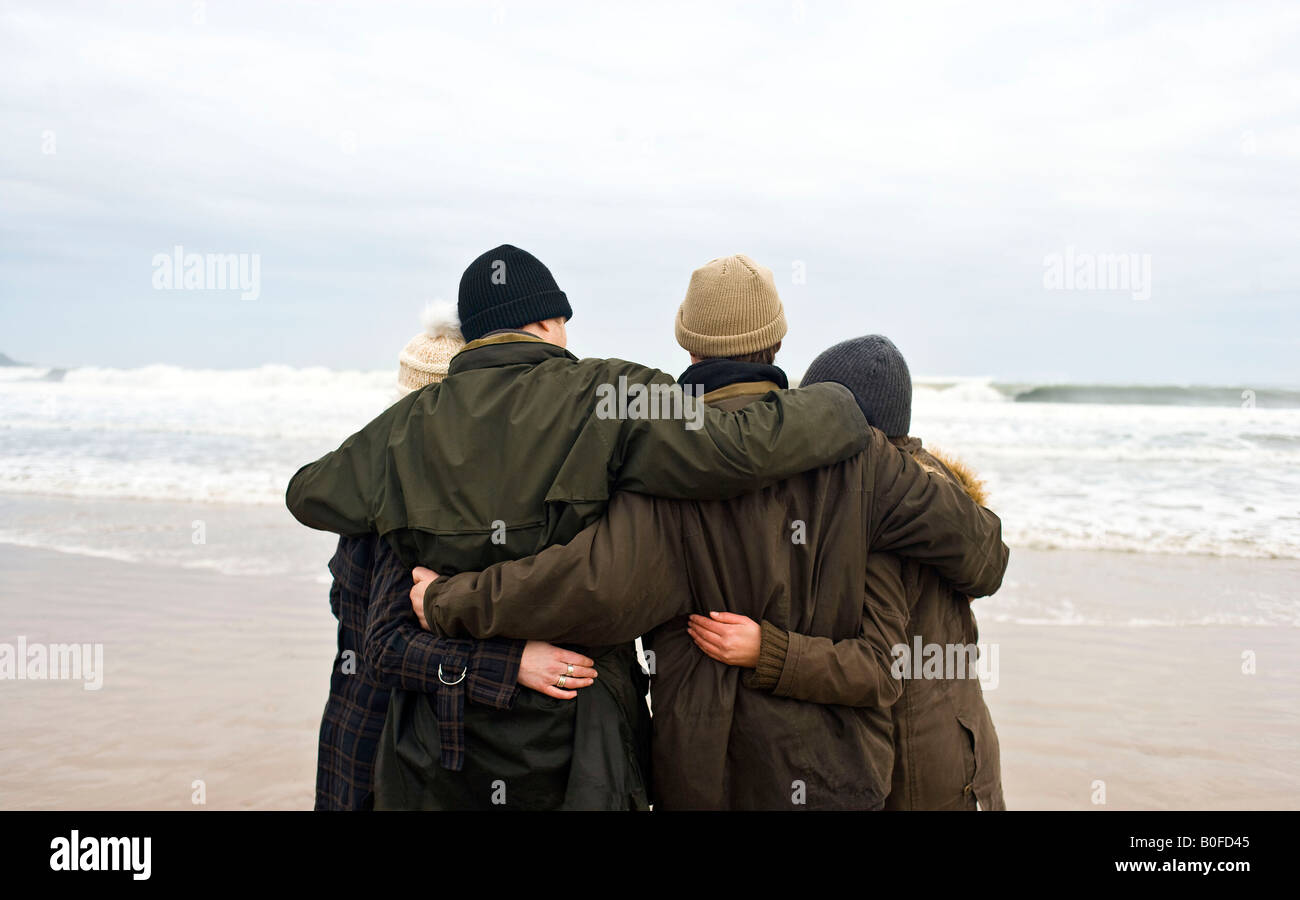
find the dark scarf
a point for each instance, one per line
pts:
(718, 373)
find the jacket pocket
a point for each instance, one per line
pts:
(984, 774)
(970, 762)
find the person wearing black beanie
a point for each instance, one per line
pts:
(508, 288)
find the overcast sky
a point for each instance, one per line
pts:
(918, 164)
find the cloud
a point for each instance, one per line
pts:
(920, 160)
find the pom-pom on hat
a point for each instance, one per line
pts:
(426, 357)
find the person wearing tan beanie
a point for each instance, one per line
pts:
(731, 310)
(731, 323)
(426, 356)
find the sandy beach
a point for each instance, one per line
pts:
(221, 679)
(1162, 714)
(210, 677)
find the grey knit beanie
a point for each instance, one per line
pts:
(873, 369)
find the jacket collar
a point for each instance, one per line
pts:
(505, 348)
(740, 389)
(725, 378)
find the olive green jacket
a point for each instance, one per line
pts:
(794, 554)
(512, 453)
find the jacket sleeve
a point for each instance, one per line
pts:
(857, 671)
(617, 579)
(926, 517)
(340, 491)
(400, 654)
(715, 455)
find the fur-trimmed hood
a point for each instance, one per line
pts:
(937, 461)
(971, 483)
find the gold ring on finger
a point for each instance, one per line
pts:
(561, 681)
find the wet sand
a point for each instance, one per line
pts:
(222, 678)
(207, 677)
(1164, 717)
(1162, 714)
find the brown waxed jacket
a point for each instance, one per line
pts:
(946, 748)
(794, 554)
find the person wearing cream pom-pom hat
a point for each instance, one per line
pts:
(363, 593)
(426, 357)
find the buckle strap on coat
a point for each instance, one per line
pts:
(450, 707)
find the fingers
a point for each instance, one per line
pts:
(730, 618)
(551, 689)
(707, 639)
(581, 678)
(420, 573)
(709, 626)
(708, 650)
(583, 667)
(569, 658)
(557, 669)
(714, 654)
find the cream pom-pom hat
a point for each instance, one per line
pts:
(426, 357)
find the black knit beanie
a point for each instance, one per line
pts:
(508, 288)
(873, 369)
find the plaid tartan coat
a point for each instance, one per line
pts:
(380, 647)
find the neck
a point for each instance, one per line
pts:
(548, 332)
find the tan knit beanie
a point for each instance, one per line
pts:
(425, 359)
(731, 308)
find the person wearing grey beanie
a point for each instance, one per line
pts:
(946, 753)
(875, 371)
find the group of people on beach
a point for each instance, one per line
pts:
(520, 517)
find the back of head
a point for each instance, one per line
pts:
(731, 309)
(508, 288)
(875, 371)
(426, 357)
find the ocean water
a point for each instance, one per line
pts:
(1141, 469)
(183, 466)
